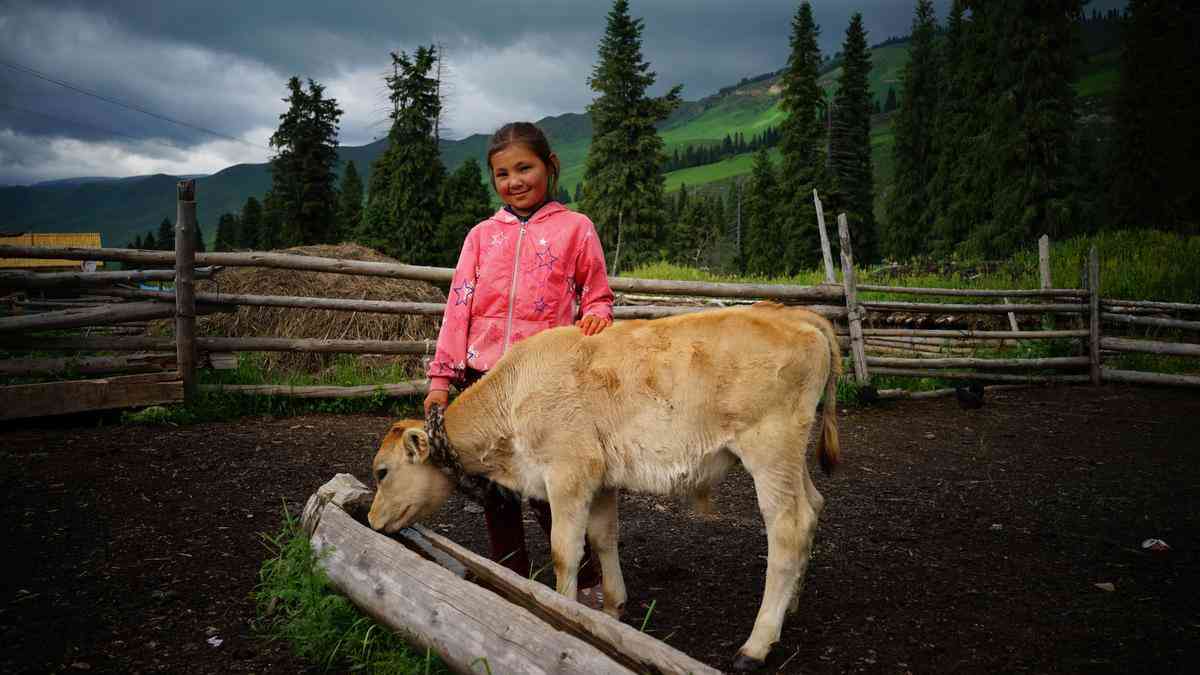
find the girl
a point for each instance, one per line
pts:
(520, 272)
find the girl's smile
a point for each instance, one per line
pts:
(521, 178)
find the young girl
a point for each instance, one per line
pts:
(520, 272)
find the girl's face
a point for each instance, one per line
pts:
(520, 177)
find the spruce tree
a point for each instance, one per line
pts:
(891, 103)
(199, 236)
(148, 243)
(760, 230)
(166, 235)
(302, 170)
(624, 169)
(956, 116)
(226, 233)
(908, 221)
(850, 145)
(465, 202)
(272, 223)
(404, 201)
(350, 204)
(801, 145)
(250, 225)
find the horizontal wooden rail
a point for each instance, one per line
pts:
(1150, 321)
(336, 304)
(973, 309)
(77, 318)
(1052, 362)
(905, 394)
(979, 334)
(411, 388)
(141, 363)
(101, 343)
(22, 279)
(439, 275)
(269, 344)
(59, 398)
(1138, 377)
(982, 377)
(979, 292)
(1180, 306)
(1150, 346)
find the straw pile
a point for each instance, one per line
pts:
(288, 322)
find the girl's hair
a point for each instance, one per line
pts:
(528, 135)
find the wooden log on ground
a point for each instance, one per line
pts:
(983, 377)
(22, 279)
(1138, 377)
(1150, 346)
(1150, 321)
(1052, 362)
(138, 363)
(72, 396)
(949, 308)
(76, 318)
(904, 394)
(410, 388)
(980, 334)
(432, 608)
(978, 292)
(1147, 304)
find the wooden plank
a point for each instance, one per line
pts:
(979, 292)
(185, 286)
(632, 648)
(1150, 321)
(826, 255)
(58, 398)
(983, 377)
(1150, 346)
(1137, 377)
(432, 608)
(140, 363)
(77, 318)
(410, 388)
(853, 309)
(958, 308)
(969, 362)
(980, 334)
(20, 279)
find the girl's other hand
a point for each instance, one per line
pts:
(439, 396)
(592, 324)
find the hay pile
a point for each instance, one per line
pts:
(286, 322)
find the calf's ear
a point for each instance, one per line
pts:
(416, 446)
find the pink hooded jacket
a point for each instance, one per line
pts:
(515, 280)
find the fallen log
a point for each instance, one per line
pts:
(1138, 377)
(58, 398)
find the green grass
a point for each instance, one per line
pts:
(887, 69)
(297, 605)
(1100, 76)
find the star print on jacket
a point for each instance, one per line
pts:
(463, 293)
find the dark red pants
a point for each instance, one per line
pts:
(506, 528)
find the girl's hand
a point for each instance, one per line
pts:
(439, 396)
(592, 324)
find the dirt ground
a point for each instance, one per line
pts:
(952, 541)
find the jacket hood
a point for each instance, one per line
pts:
(548, 209)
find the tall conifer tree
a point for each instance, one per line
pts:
(761, 230)
(404, 202)
(908, 222)
(850, 161)
(465, 202)
(954, 116)
(801, 145)
(303, 178)
(250, 225)
(350, 204)
(226, 233)
(624, 170)
(166, 235)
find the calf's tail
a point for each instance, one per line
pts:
(828, 448)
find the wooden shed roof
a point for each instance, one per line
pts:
(76, 239)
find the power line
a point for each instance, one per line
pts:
(86, 125)
(67, 85)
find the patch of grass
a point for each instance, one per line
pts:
(297, 604)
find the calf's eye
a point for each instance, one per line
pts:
(380, 475)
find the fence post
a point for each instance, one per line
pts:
(853, 312)
(830, 275)
(1094, 313)
(1048, 321)
(185, 287)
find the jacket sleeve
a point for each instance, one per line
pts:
(591, 277)
(450, 359)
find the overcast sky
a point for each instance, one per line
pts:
(222, 65)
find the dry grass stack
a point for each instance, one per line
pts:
(288, 322)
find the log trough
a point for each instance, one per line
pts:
(477, 615)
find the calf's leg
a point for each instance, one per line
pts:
(602, 534)
(570, 502)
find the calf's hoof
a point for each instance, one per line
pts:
(747, 664)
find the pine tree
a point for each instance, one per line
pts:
(465, 202)
(956, 117)
(624, 169)
(272, 223)
(1154, 172)
(136, 243)
(403, 205)
(148, 244)
(891, 103)
(166, 235)
(199, 236)
(350, 204)
(226, 233)
(761, 231)
(801, 145)
(909, 221)
(302, 170)
(578, 192)
(250, 225)
(850, 145)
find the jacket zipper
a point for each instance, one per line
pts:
(512, 292)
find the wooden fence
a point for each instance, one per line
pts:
(918, 352)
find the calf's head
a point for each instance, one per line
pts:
(408, 486)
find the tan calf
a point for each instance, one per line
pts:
(663, 406)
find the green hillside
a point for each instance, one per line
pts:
(887, 68)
